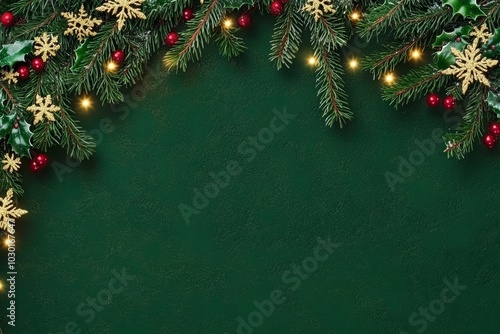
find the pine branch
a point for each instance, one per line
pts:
(379, 63)
(229, 44)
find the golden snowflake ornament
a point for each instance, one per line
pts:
(482, 34)
(11, 163)
(43, 108)
(319, 8)
(123, 9)
(470, 66)
(81, 24)
(9, 76)
(8, 211)
(46, 46)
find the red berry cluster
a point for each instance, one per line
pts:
(39, 162)
(490, 139)
(276, 7)
(433, 100)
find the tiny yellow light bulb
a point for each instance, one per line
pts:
(312, 61)
(1, 285)
(355, 16)
(228, 23)
(389, 78)
(86, 103)
(353, 64)
(416, 54)
(7, 242)
(111, 66)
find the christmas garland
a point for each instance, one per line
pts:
(55, 54)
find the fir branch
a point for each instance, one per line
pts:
(329, 31)
(286, 37)
(462, 140)
(378, 63)
(414, 85)
(229, 44)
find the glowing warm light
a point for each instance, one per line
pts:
(353, 63)
(111, 66)
(355, 16)
(1, 286)
(228, 23)
(86, 103)
(7, 242)
(390, 78)
(416, 54)
(312, 61)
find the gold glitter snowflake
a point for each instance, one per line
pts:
(46, 46)
(8, 211)
(123, 10)
(470, 66)
(11, 163)
(80, 24)
(43, 107)
(319, 8)
(482, 34)
(10, 76)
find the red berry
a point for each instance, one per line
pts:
(23, 71)
(8, 19)
(449, 103)
(172, 38)
(495, 128)
(187, 14)
(37, 64)
(245, 20)
(276, 7)
(34, 166)
(432, 100)
(42, 160)
(118, 56)
(490, 140)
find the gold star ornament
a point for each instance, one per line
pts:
(11, 163)
(43, 108)
(470, 66)
(8, 211)
(81, 25)
(46, 46)
(124, 10)
(319, 8)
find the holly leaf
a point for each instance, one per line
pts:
(6, 124)
(80, 53)
(445, 58)
(492, 48)
(13, 53)
(20, 139)
(493, 101)
(2, 100)
(237, 4)
(466, 8)
(445, 37)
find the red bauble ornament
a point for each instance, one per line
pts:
(172, 38)
(8, 19)
(495, 128)
(187, 14)
(432, 100)
(245, 20)
(37, 64)
(118, 56)
(276, 7)
(41, 160)
(490, 140)
(449, 103)
(34, 166)
(23, 71)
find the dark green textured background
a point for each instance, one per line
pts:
(120, 210)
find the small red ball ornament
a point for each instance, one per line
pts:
(245, 20)
(8, 19)
(23, 71)
(37, 64)
(118, 56)
(490, 140)
(276, 7)
(172, 38)
(449, 103)
(187, 14)
(42, 160)
(34, 166)
(432, 100)
(495, 128)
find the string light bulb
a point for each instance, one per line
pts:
(7, 242)
(416, 54)
(355, 16)
(353, 63)
(228, 23)
(111, 66)
(389, 78)
(86, 103)
(1, 285)
(312, 61)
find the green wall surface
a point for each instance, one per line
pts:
(303, 234)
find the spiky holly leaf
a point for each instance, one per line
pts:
(445, 37)
(13, 53)
(237, 4)
(2, 102)
(80, 53)
(6, 124)
(20, 139)
(445, 57)
(466, 8)
(492, 48)
(493, 101)
(150, 6)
